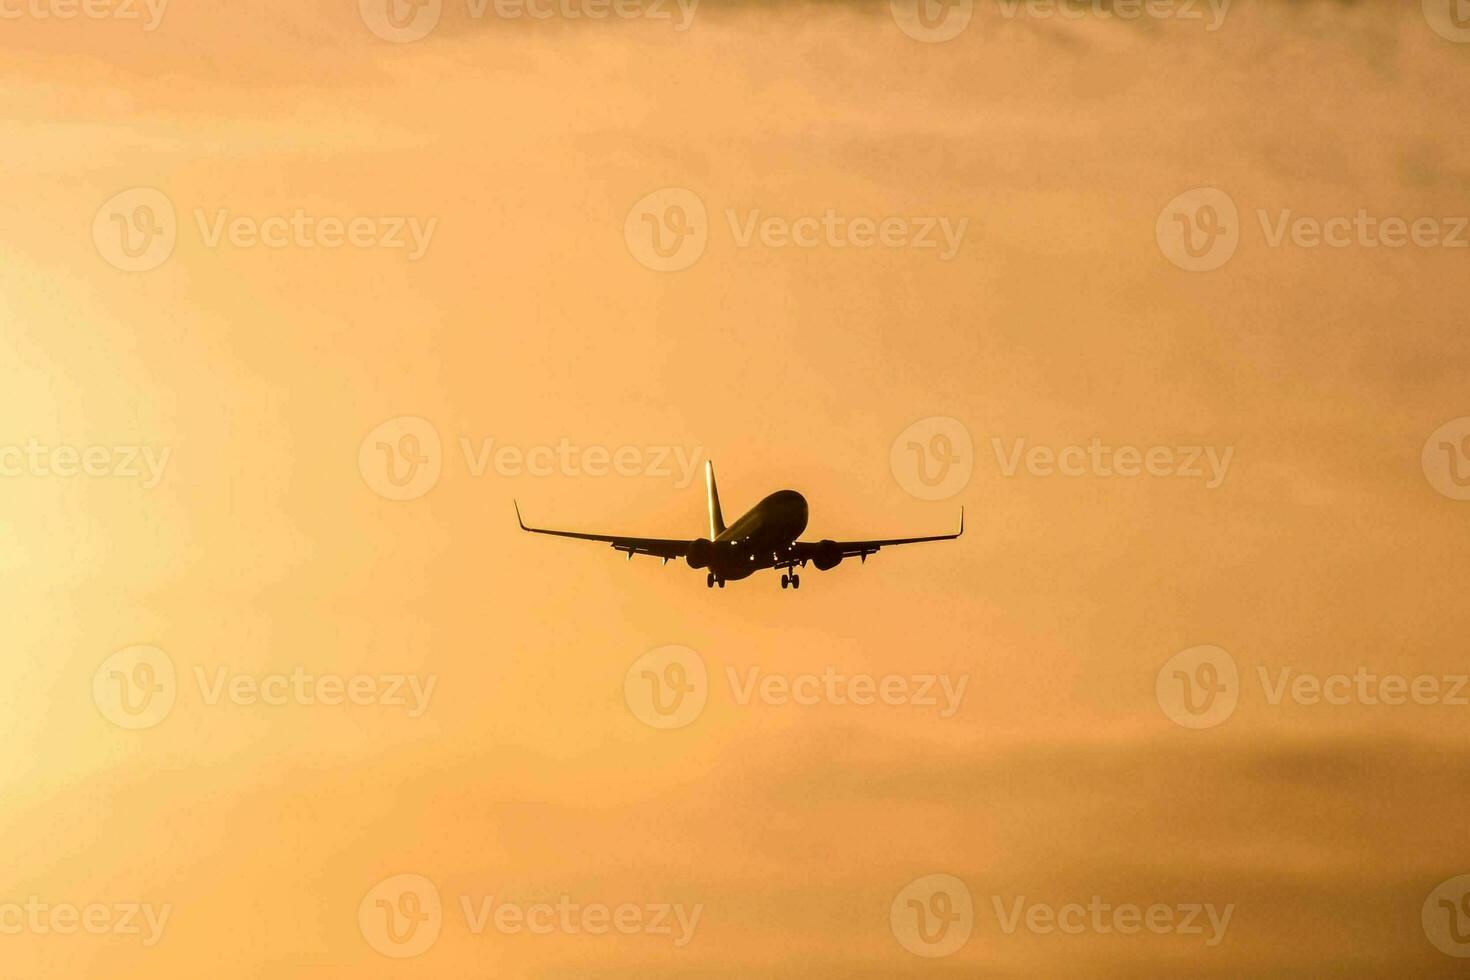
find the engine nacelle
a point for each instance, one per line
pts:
(828, 555)
(701, 553)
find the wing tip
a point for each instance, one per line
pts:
(519, 521)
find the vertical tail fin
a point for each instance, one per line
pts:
(716, 519)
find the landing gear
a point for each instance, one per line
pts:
(790, 581)
(709, 581)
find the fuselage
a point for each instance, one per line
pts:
(760, 537)
(766, 536)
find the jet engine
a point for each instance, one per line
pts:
(701, 552)
(828, 555)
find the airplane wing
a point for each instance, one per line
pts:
(862, 549)
(664, 548)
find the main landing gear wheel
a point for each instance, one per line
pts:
(722, 582)
(785, 580)
(709, 581)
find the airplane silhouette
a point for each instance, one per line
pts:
(766, 537)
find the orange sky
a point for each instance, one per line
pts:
(265, 546)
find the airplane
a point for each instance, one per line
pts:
(766, 537)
